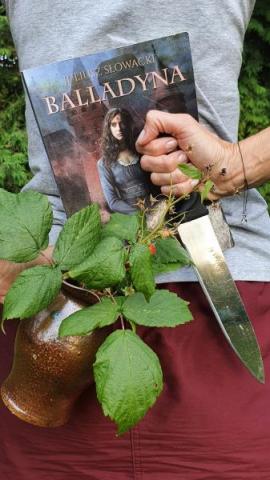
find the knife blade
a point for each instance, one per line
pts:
(198, 237)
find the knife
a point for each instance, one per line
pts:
(198, 237)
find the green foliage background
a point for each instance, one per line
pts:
(254, 90)
(254, 84)
(14, 171)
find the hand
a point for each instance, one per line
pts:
(10, 270)
(187, 141)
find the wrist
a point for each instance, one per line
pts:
(255, 152)
(228, 174)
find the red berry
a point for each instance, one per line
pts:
(152, 249)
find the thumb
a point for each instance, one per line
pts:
(178, 125)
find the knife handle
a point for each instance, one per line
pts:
(191, 208)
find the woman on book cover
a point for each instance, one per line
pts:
(123, 181)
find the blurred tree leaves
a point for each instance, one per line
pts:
(254, 80)
(254, 83)
(14, 171)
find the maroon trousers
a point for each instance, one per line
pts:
(212, 421)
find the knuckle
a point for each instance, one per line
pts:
(146, 163)
(181, 189)
(171, 164)
(153, 148)
(139, 148)
(154, 178)
(150, 115)
(187, 117)
(186, 188)
(181, 158)
(177, 176)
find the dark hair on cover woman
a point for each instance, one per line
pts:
(111, 147)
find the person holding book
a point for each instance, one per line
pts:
(123, 181)
(233, 167)
(211, 422)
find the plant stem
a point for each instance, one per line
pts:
(50, 260)
(155, 232)
(122, 322)
(95, 294)
(133, 326)
(110, 295)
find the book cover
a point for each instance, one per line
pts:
(91, 109)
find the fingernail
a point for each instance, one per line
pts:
(141, 136)
(165, 190)
(182, 157)
(171, 145)
(194, 183)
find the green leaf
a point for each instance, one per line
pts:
(120, 300)
(124, 227)
(206, 189)
(164, 309)
(128, 378)
(86, 320)
(105, 267)
(170, 256)
(25, 222)
(79, 237)
(190, 171)
(141, 270)
(159, 268)
(33, 290)
(169, 250)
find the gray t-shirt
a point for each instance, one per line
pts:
(46, 32)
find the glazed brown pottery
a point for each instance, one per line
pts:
(49, 373)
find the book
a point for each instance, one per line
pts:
(90, 110)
